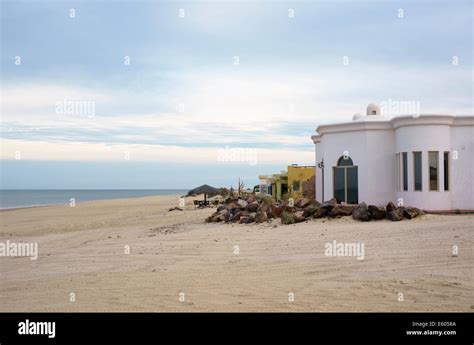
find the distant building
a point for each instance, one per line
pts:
(264, 187)
(299, 180)
(279, 185)
(275, 185)
(424, 161)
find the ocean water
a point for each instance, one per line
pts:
(28, 198)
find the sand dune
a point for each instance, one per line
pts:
(175, 255)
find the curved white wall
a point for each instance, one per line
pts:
(371, 151)
(425, 138)
(462, 168)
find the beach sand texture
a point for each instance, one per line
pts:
(176, 254)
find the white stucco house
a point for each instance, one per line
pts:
(425, 161)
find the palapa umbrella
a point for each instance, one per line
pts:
(206, 189)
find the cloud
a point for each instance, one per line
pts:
(211, 109)
(103, 152)
(34, 98)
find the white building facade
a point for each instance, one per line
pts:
(424, 161)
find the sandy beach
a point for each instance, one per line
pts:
(177, 262)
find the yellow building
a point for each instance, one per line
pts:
(301, 180)
(296, 182)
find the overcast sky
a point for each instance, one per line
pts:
(167, 94)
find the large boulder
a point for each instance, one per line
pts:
(309, 211)
(395, 215)
(220, 217)
(253, 206)
(277, 210)
(320, 213)
(302, 202)
(261, 216)
(341, 211)
(223, 215)
(299, 217)
(390, 207)
(251, 199)
(329, 205)
(377, 213)
(231, 206)
(236, 216)
(410, 212)
(246, 220)
(242, 203)
(420, 212)
(361, 212)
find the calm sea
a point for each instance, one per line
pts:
(27, 198)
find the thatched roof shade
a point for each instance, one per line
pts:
(204, 189)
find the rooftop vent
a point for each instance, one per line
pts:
(356, 116)
(373, 109)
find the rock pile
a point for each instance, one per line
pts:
(259, 210)
(239, 210)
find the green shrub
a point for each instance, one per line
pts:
(266, 199)
(287, 218)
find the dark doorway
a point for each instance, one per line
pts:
(345, 180)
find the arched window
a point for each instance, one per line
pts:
(346, 181)
(345, 161)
